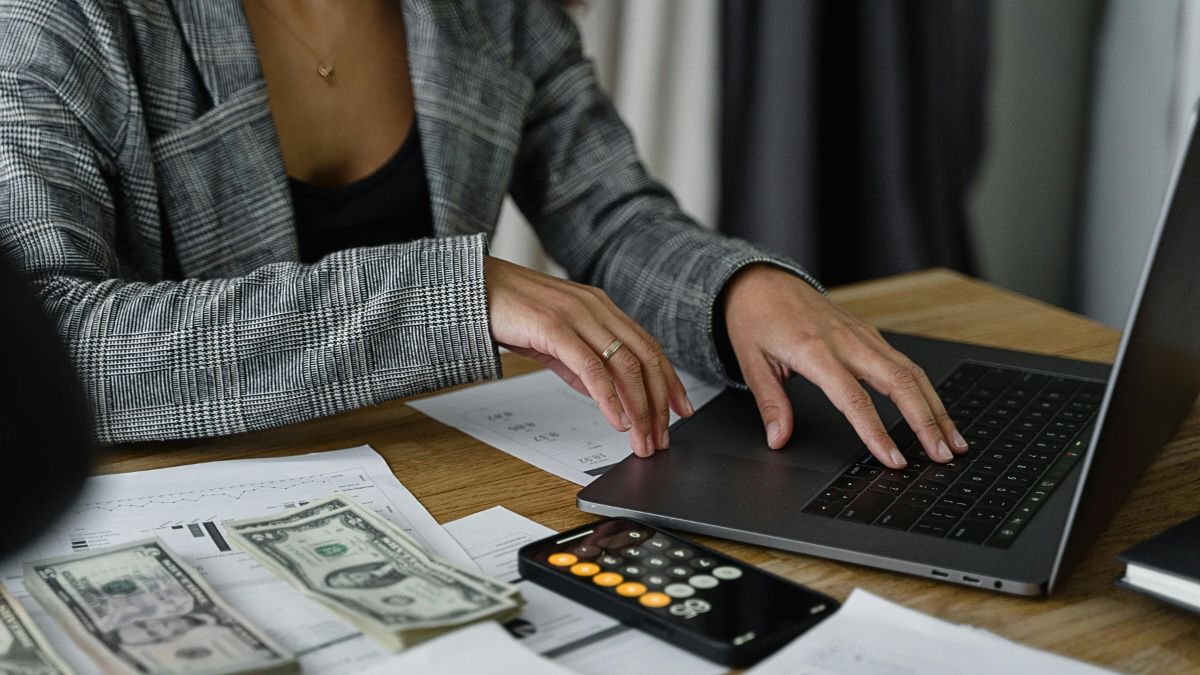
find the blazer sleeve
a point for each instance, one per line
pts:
(579, 181)
(192, 358)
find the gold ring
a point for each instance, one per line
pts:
(612, 349)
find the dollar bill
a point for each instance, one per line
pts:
(23, 648)
(369, 572)
(138, 608)
(339, 501)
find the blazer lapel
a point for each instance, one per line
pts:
(470, 111)
(235, 213)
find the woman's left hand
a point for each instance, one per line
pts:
(779, 325)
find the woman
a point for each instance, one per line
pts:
(245, 214)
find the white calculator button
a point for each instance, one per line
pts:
(703, 581)
(727, 573)
(679, 591)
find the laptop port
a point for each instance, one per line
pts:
(939, 573)
(970, 580)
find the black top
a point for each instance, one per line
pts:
(387, 207)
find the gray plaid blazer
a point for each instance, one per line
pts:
(128, 124)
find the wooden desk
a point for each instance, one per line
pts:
(454, 475)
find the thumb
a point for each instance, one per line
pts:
(766, 383)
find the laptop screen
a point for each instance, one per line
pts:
(1156, 375)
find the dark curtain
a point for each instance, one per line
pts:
(851, 130)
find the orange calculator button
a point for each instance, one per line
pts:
(562, 559)
(655, 599)
(584, 569)
(631, 589)
(607, 579)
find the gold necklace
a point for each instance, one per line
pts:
(324, 63)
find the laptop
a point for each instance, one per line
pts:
(1056, 444)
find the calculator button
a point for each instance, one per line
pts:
(655, 599)
(610, 560)
(690, 608)
(727, 573)
(657, 561)
(659, 543)
(562, 560)
(586, 551)
(679, 591)
(703, 581)
(655, 580)
(608, 579)
(584, 569)
(704, 563)
(634, 553)
(631, 571)
(635, 534)
(679, 572)
(679, 554)
(631, 589)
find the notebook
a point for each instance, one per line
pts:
(1167, 566)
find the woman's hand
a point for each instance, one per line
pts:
(778, 325)
(567, 326)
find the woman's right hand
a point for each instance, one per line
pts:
(567, 326)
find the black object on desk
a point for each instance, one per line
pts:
(689, 595)
(1167, 567)
(46, 448)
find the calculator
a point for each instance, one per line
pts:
(703, 601)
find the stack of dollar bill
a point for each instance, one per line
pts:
(23, 648)
(138, 608)
(370, 573)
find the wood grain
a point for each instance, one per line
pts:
(454, 475)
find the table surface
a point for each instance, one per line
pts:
(454, 475)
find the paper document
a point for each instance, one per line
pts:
(573, 635)
(537, 418)
(872, 636)
(185, 505)
(482, 649)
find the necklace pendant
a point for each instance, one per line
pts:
(325, 70)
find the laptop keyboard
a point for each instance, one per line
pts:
(1026, 432)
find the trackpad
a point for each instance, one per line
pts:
(822, 440)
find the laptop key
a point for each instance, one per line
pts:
(958, 503)
(1003, 413)
(887, 487)
(984, 514)
(835, 496)
(988, 467)
(932, 527)
(939, 474)
(1019, 480)
(866, 507)
(965, 490)
(1007, 445)
(900, 516)
(993, 421)
(827, 509)
(1038, 456)
(1013, 491)
(916, 499)
(907, 476)
(1030, 467)
(976, 478)
(972, 531)
(983, 432)
(850, 484)
(1074, 415)
(946, 514)
(929, 487)
(1036, 415)
(998, 456)
(862, 471)
(997, 501)
(1003, 538)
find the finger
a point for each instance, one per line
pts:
(571, 350)
(626, 372)
(654, 366)
(900, 380)
(679, 401)
(949, 430)
(766, 383)
(855, 403)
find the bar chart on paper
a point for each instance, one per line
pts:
(539, 419)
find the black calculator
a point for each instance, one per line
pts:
(689, 595)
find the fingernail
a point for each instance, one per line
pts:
(773, 432)
(625, 423)
(959, 441)
(944, 451)
(898, 459)
(687, 406)
(664, 440)
(649, 445)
